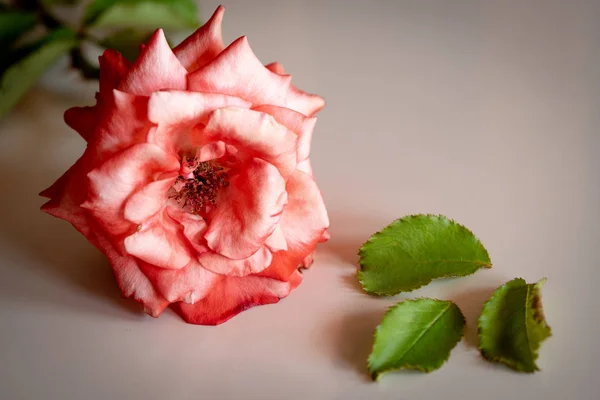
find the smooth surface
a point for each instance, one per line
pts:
(484, 111)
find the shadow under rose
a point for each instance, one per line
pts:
(41, 246)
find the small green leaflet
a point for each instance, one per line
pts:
(13, 24)
(414, 250)
(148, 14)
(416, 334)
(19, 77)
(512, 325)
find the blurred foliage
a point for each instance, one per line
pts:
(32, 37)
(20, 76)
(144, 14)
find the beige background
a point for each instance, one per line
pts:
(484, 111)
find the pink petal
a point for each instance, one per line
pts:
(124, 124)
(203, 45)
(131, 280)
(111, 184)
(306, 103)
(220, 264)
(149, 200)
(176, 112)
(212, 151)
(305, 167)
(255, 133)
(276, 67)
(304, 221)
(113, 68)
(308, 261)
(67, 193)
(160, 242)
(300, 124)
(305, 217)
(276, 242)
(233, 295)
(193, 225)
(237, 72)
(83, 120)
(189, 284)
(156, 68)
(248, 211)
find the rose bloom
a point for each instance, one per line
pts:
(196, 182)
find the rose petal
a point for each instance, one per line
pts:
(305, 166)
(193, 225)
(160, 241)
(84, 120)
(276, 68)
(113, 68)
(308, 261)
(220, 264)
(120, 176)
(122, 126)
(174, 107)
(176, 112)
(132, 282)
(237, 72)
(303, 222)
(156, 68)
(300, 124)
(232, 295)
(255, 133)
(248, 211)
(276, 242)
(203, 45)
(149, 200)
(212, 151)
(189, 284)
(67, 193)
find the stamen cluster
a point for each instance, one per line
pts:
(200, 190)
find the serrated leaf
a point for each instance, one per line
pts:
(512, 325)
(13, 24)
(19, 77)
(416, 334)
(127, 42)
(414, 250)
(147, 14)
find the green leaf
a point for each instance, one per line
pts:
(414, 250)
(512, 325)
(416, 334)
(50, 3)
(148, 14)
(127, 42)
(19, 77)
(13, 24)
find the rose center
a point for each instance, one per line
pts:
(198, 189)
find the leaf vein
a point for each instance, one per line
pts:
(425, 331)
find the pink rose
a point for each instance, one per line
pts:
(196, 181)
